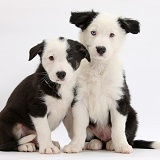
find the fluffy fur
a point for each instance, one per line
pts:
(103, 99)
(40, 102)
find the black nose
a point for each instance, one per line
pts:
(101, 50)
(61, 74)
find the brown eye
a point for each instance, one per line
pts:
(93, 33)
(51, 58)
(111, 35)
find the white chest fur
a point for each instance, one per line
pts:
(101, 87)
(57, 108)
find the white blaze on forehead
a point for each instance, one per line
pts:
(105, 17)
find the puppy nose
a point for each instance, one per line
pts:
(61, 74)
(101, 50)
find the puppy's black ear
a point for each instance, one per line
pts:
(85, 53)
(82, 19)
(129, 25)
(38, 49)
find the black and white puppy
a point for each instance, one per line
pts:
(40, 102)
(103, 99)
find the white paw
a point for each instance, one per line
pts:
(49, 149)
(72, 148)
(28, 147)
(56, 143)
(85, 146)
(94, 144)
(126, 149)
(109, 146)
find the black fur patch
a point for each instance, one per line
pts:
(82, 19)
(124, 102)
(75, 95)
(76, 52)
(125, 108)
(142, 144)
(129, 25)
(48, 87)
(38, 49)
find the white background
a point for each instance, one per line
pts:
(24, 23)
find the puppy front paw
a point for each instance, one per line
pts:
(123, 148)
(28, 147)
(49, 149)
(94, 144)
(109, 146)
(72, 148)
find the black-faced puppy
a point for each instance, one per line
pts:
(103, 100)
(40, 102)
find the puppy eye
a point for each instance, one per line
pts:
(51, 58)
(111, 35)
(93, 33)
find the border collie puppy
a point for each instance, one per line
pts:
(40, 102)
(103, 99)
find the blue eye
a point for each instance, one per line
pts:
(93, 33)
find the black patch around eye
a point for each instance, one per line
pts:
(77, 51)
(70, 57)
(72, 60)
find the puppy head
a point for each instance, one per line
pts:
(60, 58)
(102, 33)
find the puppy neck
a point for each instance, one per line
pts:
(100, 66)
(45, 84)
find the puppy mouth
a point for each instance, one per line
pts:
(60, 80)
(99, 57)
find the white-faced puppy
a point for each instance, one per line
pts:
(40, 102)
(103, 99)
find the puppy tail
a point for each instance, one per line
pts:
(12, 145)
(26, 139)
(146, 144)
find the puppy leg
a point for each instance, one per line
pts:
(80, 123)
(44, 136)
(68, 123)
(118, 136)
(28, 147)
